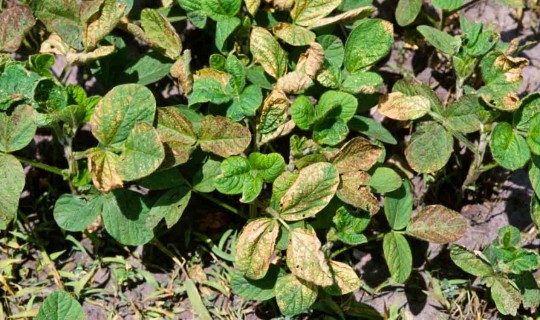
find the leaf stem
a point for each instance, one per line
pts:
(458, 135)
(41, 166)
(464, 6)
(219, 203)
(476, 166)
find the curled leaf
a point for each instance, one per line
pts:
(355, 191)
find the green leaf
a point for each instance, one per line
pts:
(407, 11)
(535, 209)
(17, 129)
(268, 166)
(177, 134)
(221, 9)
(143, 153)
(334, 50)
(170, 205)
(255, 247)
(120, 110)
(398, 206)
(148, 69)
(62, 18)
(305, 258)
(203, 180)
(509, 149)
(308, 12)
(293, 295)
(75, 213)
(330, 131)
(440, 40)
(438, 224)
(470, 262)
(258, 290)
(384, 180)
(224, 29)
(430, 148)
(237, 71)
(447, 4)
(208, 90)
(372, 129)
(362, 82)
(398, 106)
(368, 43)
(16, 85)
(528, 108)
(246, 104)
(340, 104)
(398, 256)
(357, 154)
(267, 52)
(345, 279)
(223, 137)
(512, 3)
(60, 305)
(163, 179)
(293, 34)
(161, 33)
(463, 115)
(310, 193)
(15, 22)
(234, 173)
(530, 293)
(505, 295)
(534, 135)
(124, 216)
(303, 112)
(12, 171)
(350, 225)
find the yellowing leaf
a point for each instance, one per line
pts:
(398, 106)
(223, 137)
(345, 278)
(311, 62)
(255, 247)
(293, 295)
(294, 82)
(273, 113)
(305, 258)
(310, 193)
(177, 133)
(162, 34)
(357, 154)
(293, 34)
(308, 12)
(103, 167)
(267, 52)
(182, 71)
(398, 256)
(438, 224)
(104, 23)
(345, 17)
(355, 191)
(10, 170)
(252, 6)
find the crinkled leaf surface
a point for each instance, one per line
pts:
(255, 247)
(350, 225)
(100, 26)
(303, 112)
(438, 224)
(310, 193)
(339, 104)
(177, 134)
(355, 191)
(357, 154)
(120, 110)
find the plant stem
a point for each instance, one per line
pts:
(220, 203)
(458, 135)
(165, 250)
(463, 7)
(41, 166)
(476, 166)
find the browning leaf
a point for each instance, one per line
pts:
(357, 154)
(223, 137)
(103, 167)
(398, 106)
(181, 70)
(267, 52)
(255, 247)
(311, 62)
(15, 22)
(345, 278)
(438, 224)
(355, 191)
(294, 82)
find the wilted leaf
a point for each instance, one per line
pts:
(15, 22)
(170, 206)
(294, 82)
(293, 295)
(508, 148)
(103, 166)
(330, 131)
(407, 11)
(345, 279)
(305, 258)
(357, 154)
(355, 191)
(310, 193)
(440, 40)
(255, 247)
(267, 52)
(16, 85)
(308, 12)
(223, 137)
(120, 110)
(398, 106)
(181, 70)
(74, 213)
(268, 166)
(124, 216)
(398, 206)
(368, 43)
(398, 256)
(12, 171)
(177, 134)
(346, 17)
(161, 33)
(438, 224)
(312, 60)
(104, 23)
(60, 305)
(430, 148)
(384, 180)
(293, 34)
(17, 129)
